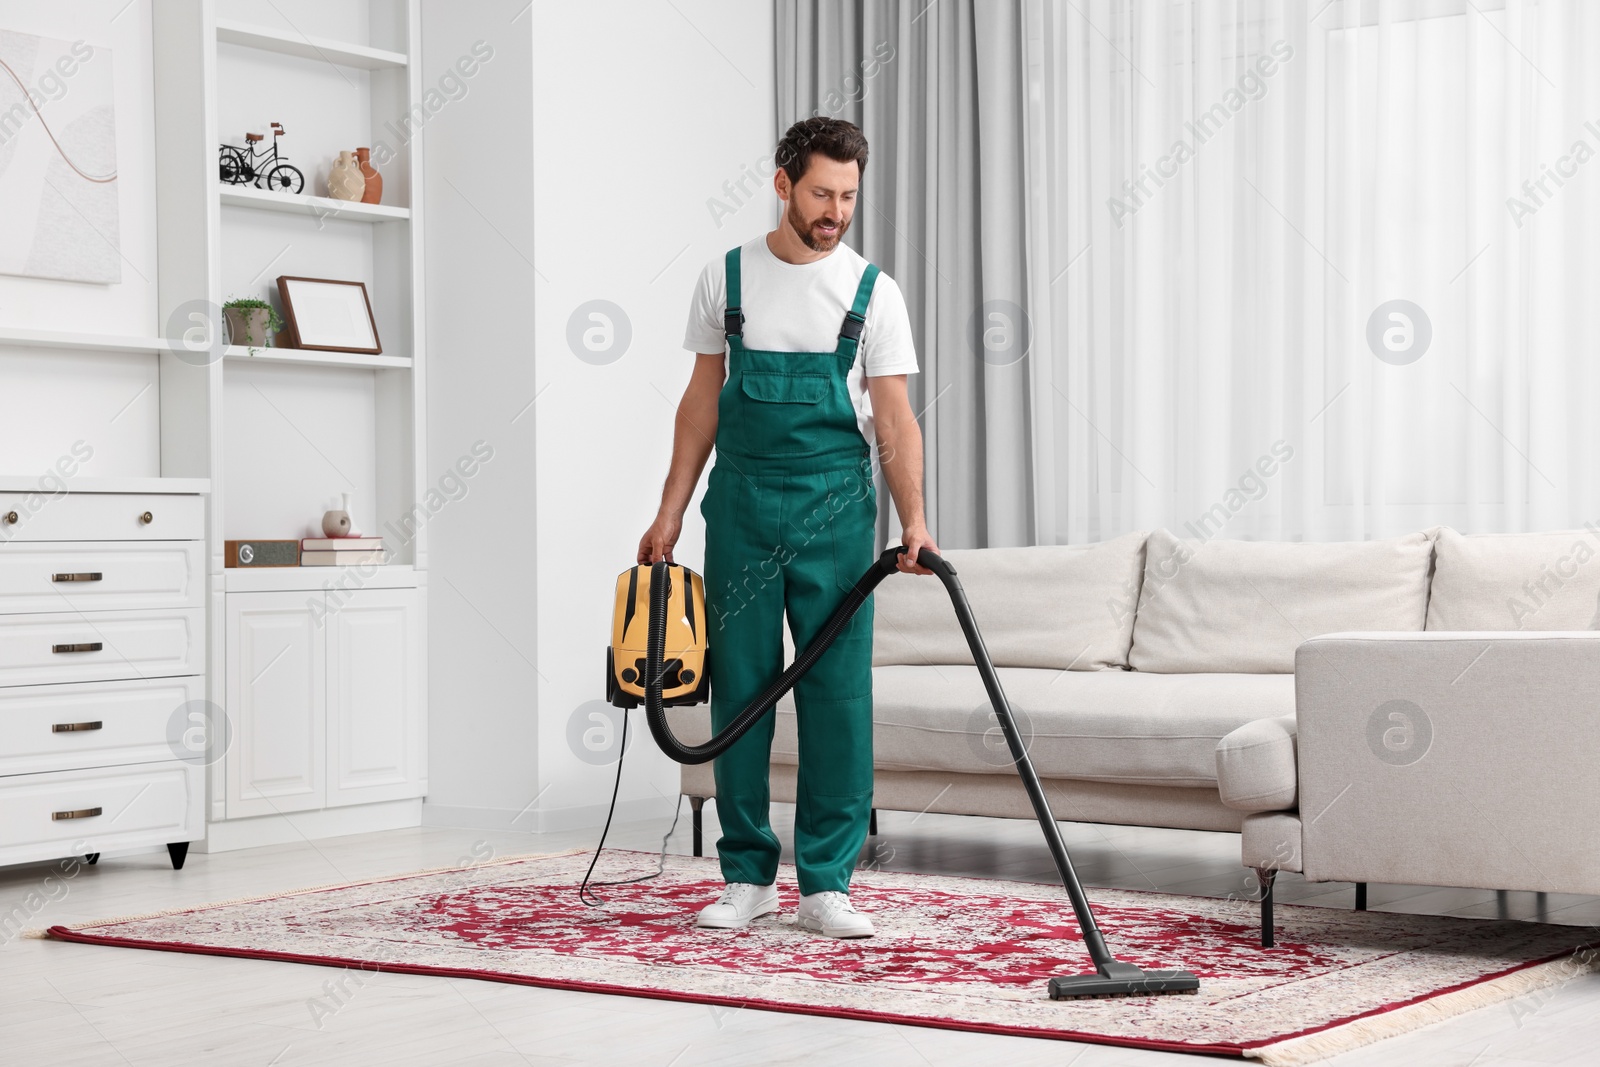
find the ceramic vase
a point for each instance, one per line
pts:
(337, 523)
(345, 181)
(374, 188)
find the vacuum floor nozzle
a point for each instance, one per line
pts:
(1118, 979)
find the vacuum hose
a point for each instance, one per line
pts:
(655, 713)
(1113, 977)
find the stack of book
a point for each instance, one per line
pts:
(341, 551)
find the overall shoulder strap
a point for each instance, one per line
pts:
(855, 320)
(733, 317)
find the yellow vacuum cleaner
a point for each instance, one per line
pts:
(685, 673)
(659, 655)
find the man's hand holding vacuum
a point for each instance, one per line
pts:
(915, 539)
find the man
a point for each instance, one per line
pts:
(802, 351)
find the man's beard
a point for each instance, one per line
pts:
(809, 236)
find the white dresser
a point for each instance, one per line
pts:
(104, 728)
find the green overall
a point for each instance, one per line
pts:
(791, 516)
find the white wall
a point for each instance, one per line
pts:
(640, 112)
(482, 639)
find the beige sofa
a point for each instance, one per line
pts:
(1157, 681)
(1463, 755)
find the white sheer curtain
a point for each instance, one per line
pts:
(1224, 202)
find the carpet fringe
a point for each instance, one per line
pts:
(1319, 1046)
(37, 933)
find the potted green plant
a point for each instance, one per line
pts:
(249, 320)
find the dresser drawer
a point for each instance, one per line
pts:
(40, 576)
(73, 812)
(111, 723)
(102, 517)
(131, 644)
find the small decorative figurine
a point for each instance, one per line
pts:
(337, 523)
(248, 166)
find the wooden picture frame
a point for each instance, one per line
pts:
(329, 316)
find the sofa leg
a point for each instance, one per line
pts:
(1266, 877)
(1502, 904)
(1541, 907)
(1361, 896)
(695, 804)
(872, 823)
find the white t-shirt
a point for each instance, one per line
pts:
(798, 307)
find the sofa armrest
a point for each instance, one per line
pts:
(1256, 766)
(1450, 758)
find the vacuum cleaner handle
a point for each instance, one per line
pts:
(1019, 754)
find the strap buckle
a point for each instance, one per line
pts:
(852, 326)
(733, 322)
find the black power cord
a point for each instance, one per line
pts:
(661, 861)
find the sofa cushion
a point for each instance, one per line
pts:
(1106, 726)
(1101, 726)
(1527, 581)
(1068, 607)
(1256, 768)
(1244, 606)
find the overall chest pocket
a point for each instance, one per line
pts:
(786, 412)
(784, 387)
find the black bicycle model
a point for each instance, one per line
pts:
(248, 165)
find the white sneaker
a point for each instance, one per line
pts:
(832, 915)
(740, 902)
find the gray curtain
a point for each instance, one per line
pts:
(938, 87)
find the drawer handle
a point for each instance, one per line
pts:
(78, 576)
(147, 518)
(76, 727)
(81, 813)
(81, 646)
(11, 518)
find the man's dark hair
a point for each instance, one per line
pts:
(835, 138)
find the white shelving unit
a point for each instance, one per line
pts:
(290, 579)
(290, 43)
(333, 731)
(322, 207)
(321, 671)
(67, 340)
(310, 358)
(27, 483)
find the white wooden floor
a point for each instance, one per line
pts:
(65, 1004)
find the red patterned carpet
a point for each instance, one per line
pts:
(960, 953)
